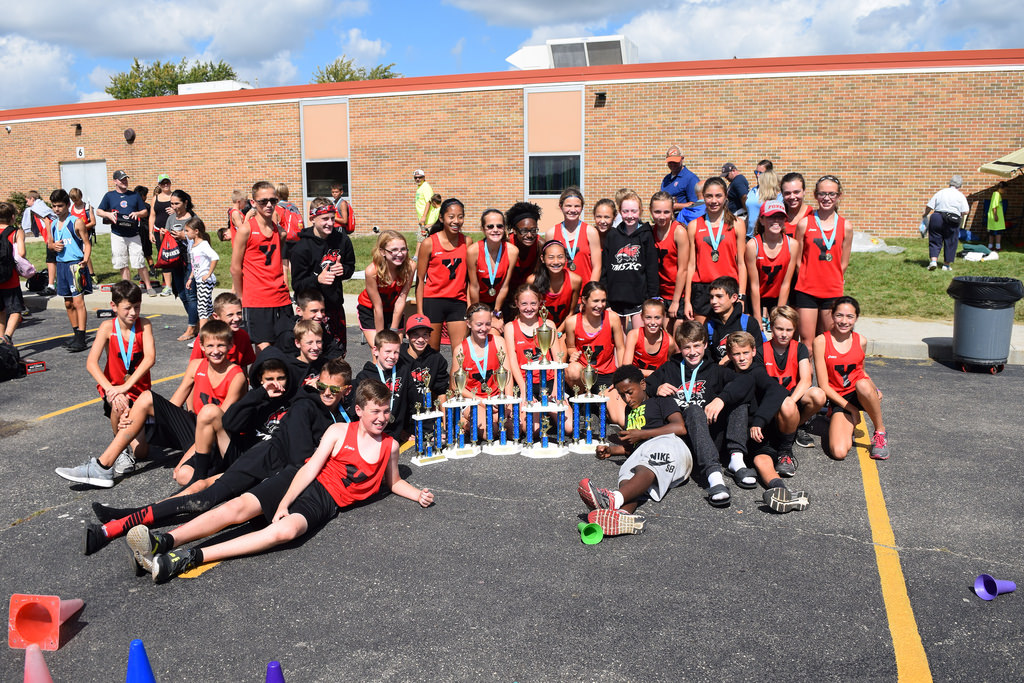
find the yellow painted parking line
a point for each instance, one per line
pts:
(198, 571)
(69, 334)
(97, 400)
(911, 660)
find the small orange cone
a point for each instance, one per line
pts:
(35, 666)
(36, 619)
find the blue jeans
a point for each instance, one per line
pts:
(187, 294)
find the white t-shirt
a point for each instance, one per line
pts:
(203, 255)
(949, 200)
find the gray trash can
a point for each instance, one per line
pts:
(983, 318)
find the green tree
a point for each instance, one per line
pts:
(163, 78)
(343, 69)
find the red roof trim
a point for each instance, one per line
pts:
(964, 59)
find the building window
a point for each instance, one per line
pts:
(549, 175)
(320, 175)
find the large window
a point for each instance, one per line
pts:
(549, 175)
(320, 175)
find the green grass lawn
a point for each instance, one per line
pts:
(887, 286)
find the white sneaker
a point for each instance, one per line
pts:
(933, 265)
(946, 266)
(91, 472)
(125, 462)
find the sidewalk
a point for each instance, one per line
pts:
(887, 337)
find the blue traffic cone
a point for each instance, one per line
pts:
(274, 673)
(139, 670)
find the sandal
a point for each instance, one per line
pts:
(741, 474)
(714, 491)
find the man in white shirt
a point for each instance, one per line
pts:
(948, 208)
(423, 194)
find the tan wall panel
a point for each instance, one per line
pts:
(554, 123)
(325, 130)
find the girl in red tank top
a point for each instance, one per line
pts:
(673, 249)
(582, 245)
(650, 346)
(770, 262)
(788, 361)
(521, 337)
(490, 262)
(839, 366)
(560, 287)
(716, 243)
(441, 271)
(596, 330)
(824, 240)
(388, 278)
(793, 197)
(523, 219)
(479, 356)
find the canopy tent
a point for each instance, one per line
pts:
(1006, 166)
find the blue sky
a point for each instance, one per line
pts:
(49, 55)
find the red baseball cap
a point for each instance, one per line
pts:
(417, 321)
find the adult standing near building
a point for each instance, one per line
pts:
(766, 187)
(158, 221)
(423, 194)
(736, 196)
(124, 211)
(680, 182)
(948, 208)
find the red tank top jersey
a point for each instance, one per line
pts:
(204, 393)
(526, 262)
(771, 271)
(844, 370)
(240, 353)
(43, 226)
(347, 476)
(821, 269)
(446, 270)
(14, 280)
(526, 349)
(791, 227)
(231, 226)
(388, 296)
(486, 385)
(558, 303)
(668, 262)
(115, 371)
(262, 272)
(602, 343)
(650, 361)
(484, 278)
(82, 213)
(790, 375)
(707, 269)
(583, 260)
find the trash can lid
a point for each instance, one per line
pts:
(998, 292)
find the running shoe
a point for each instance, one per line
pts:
(173, 563)
(781, 500)
(94, 538)
(144, 545)
(617, 522)
(166, 291)
(947, 267)
(933, 265)
(91, 472)
(804, 438)
(595, 498)
(787, 465)
(151, 292)
(879, 446)
(125, 462)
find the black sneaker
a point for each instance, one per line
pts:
(804, 438)
(94, 539)
(782, 500)
(173, 563)
(77, 345)
(787, 465)
(106, 514)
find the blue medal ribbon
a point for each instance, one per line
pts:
(574, 246)
(391, 402)
(689, 387)
(492, 272)
(715, 240)
(829, 241)
(481, 364)
(127, 350)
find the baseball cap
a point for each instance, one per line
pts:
(674, 154)
(773, 207)
(417, 321)
(162, 177)
(419, 172)
(120, 175)
(728, 167)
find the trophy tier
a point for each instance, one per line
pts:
(583, 398)
(536, 366)
(430, 415)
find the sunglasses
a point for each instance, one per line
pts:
(263, 202)
(494, 225)
(527, 231)
(334, 389)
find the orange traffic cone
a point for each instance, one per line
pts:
(35, 666)
(37, 619)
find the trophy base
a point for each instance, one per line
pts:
(422, 460)
(431, 415)
(536, 406)
(538, 452)
(584, 448)
(511, 448)
(462, 453)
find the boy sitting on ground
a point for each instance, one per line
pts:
(658, 458)
(789, 362)
(386, 347)
(131, 352)
(304, 367)
(227, 307)
(349, 466)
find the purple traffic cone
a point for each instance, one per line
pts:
(988, 588)
(274, 673)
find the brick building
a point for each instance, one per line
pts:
(893, 127)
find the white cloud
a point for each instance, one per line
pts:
(33, 73)
(94, 96)
(99, 77)
(278, 70)
(532, 12)
(460, 45)
(362, 50)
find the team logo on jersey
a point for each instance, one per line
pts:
(770, 273)
(124, 204)
(844, 372)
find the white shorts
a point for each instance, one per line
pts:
(126, 252)
(667, 456)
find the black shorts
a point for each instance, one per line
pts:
(800, 300)
(768, 303)
(51, 256)
(173, 425)
(625, 309)
(11, 300)
(851, 397)
(266, 324)
(147, 244)
(315, 504)
(270, 492)
(444, 310)
(604, 380)
(366, 318)
(700, 300)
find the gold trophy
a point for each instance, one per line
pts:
(460, 376)
(589, 373)
(545, 335)
(501, 374)
(425, 387)
(418, 408)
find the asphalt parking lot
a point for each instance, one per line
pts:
(492, 583)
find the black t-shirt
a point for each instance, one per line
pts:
(782, 356)
(652, 413)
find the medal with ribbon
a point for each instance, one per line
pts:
(481, 363)
(572, 247)
(492, 267)
(126, 349)
(688, 387)
(831, 239)
(715, 239)
(392, 387)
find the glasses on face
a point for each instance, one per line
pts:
(263, 202)
(396, 252)
(418, 177)
(828, 195)
(334, 389)
(500, 226)
(526, 231)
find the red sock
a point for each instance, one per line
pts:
(118, 527)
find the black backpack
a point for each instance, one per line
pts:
(11, 366)
(7, 265)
